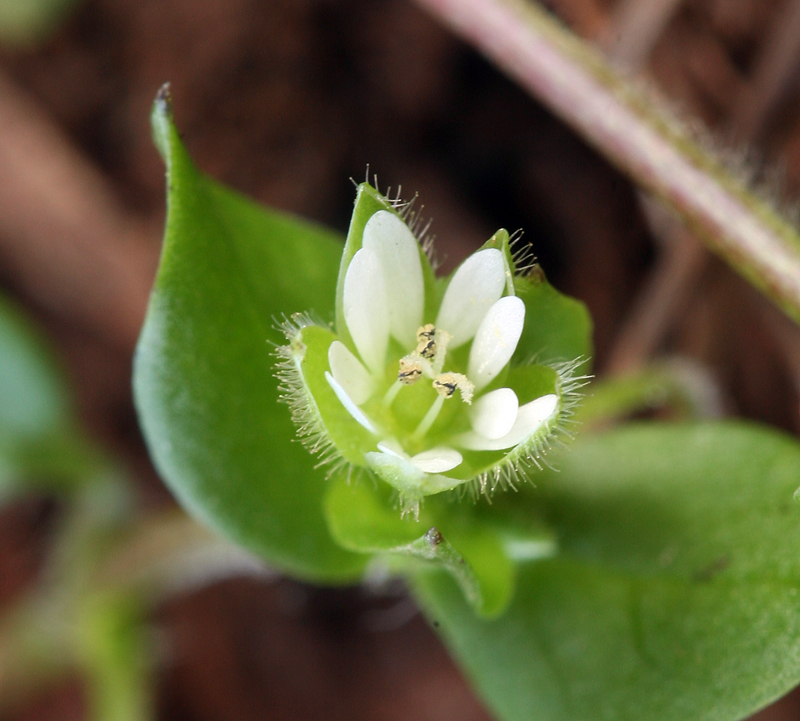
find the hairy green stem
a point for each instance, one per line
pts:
(579, 86)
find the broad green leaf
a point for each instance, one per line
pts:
(204, 374)
(676, 592)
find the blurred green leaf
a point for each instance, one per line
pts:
(676, 592)
(39, 446)
(115, 652)
(35, 402)
(24, 22)
(204, 374)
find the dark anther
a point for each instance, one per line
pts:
(434, 536)
(410, 371)
(446, 388)
(426, 341)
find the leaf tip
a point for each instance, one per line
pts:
(161, 120)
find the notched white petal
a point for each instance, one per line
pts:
(493, 415)
(437, 460)
(392, 241)
(365, 308)
(476, 285)
(347, 402)
(349, 373)
(496, 340)
(530, 418)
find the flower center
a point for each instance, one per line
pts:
(427, 359)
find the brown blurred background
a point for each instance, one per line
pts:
(286, 100)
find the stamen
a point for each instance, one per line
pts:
(429, 419)
(447, 384)
(426, 341)
(410, 370)
(443, 338)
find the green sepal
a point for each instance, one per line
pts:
(349, 439)
(365, 520)
(412, 483)
(502, 242)
(558, 329)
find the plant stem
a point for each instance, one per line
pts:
(580, 87)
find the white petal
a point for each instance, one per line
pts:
(476, 285)
(530, 418)
(437, 460)
(493, 415)
(397, 248)
(496, 340)
(365, 308)
(351, 407)
(349, 373)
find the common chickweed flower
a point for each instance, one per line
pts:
(417, 382)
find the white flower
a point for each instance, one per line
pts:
(384, 299)
(427, 385)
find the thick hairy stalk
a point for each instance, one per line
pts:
(631, 131)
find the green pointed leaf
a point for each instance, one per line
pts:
(676, 593)
(204, 372)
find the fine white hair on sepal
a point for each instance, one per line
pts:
(411, 214)
(521, 254)
(292, 391)
(531, 455)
